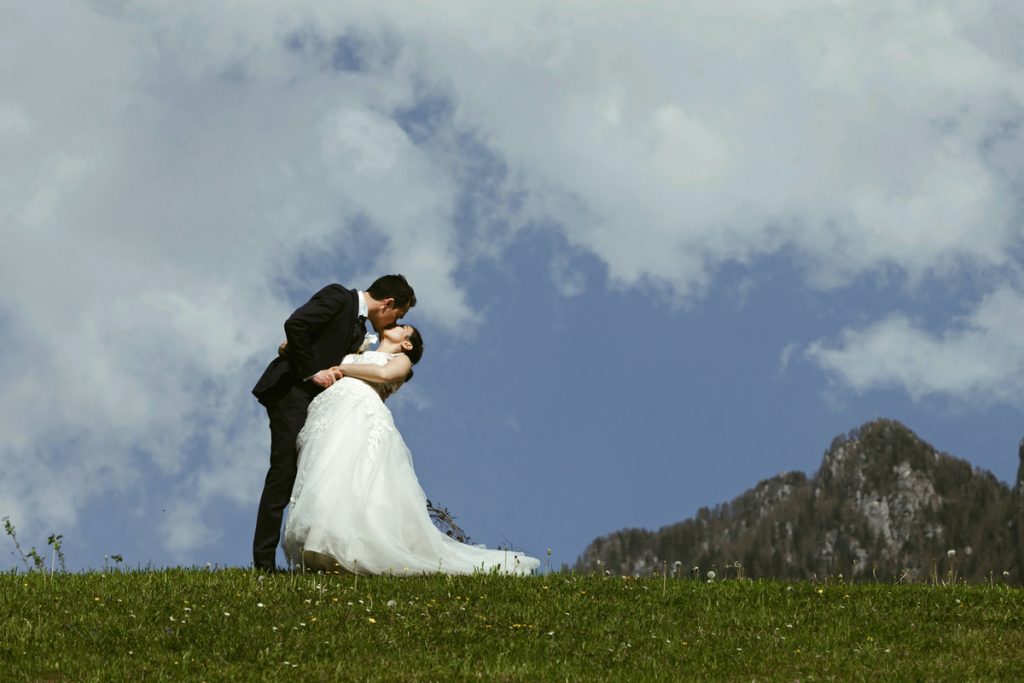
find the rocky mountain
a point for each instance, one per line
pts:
(883, 504)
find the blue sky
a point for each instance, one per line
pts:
(660, 254)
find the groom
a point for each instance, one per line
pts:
(320, 333)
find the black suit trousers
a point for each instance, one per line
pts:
(287, 413)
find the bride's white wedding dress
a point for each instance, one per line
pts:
(356, 501)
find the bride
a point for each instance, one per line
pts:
(356, 501)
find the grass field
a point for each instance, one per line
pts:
(194, 624)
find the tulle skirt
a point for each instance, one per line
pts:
(357, 505)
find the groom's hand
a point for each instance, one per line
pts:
(324, 378)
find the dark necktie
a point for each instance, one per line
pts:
(359, 332)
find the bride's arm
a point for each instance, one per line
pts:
(396, 370)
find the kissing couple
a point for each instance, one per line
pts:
(337, 460)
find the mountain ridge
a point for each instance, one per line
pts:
(883, 504)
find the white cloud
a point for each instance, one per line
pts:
(167, 165)
(980, 360)
(707, 135)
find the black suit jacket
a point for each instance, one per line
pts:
(319, 333)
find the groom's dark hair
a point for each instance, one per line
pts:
(393, 287)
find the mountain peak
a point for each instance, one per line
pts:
(882, 502)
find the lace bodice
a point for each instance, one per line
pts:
(321, 410)
(374, 358)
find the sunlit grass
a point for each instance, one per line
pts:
(235, 624)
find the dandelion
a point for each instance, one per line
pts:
(258, 604)
(372, 620)
(711, 575)
(392, 603)
(950, 553)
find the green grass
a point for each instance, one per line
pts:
(182, 624)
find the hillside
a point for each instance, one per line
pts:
(239, 625)
(883, 504)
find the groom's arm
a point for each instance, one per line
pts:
(306, 321)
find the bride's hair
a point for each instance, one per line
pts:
(416, 352)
